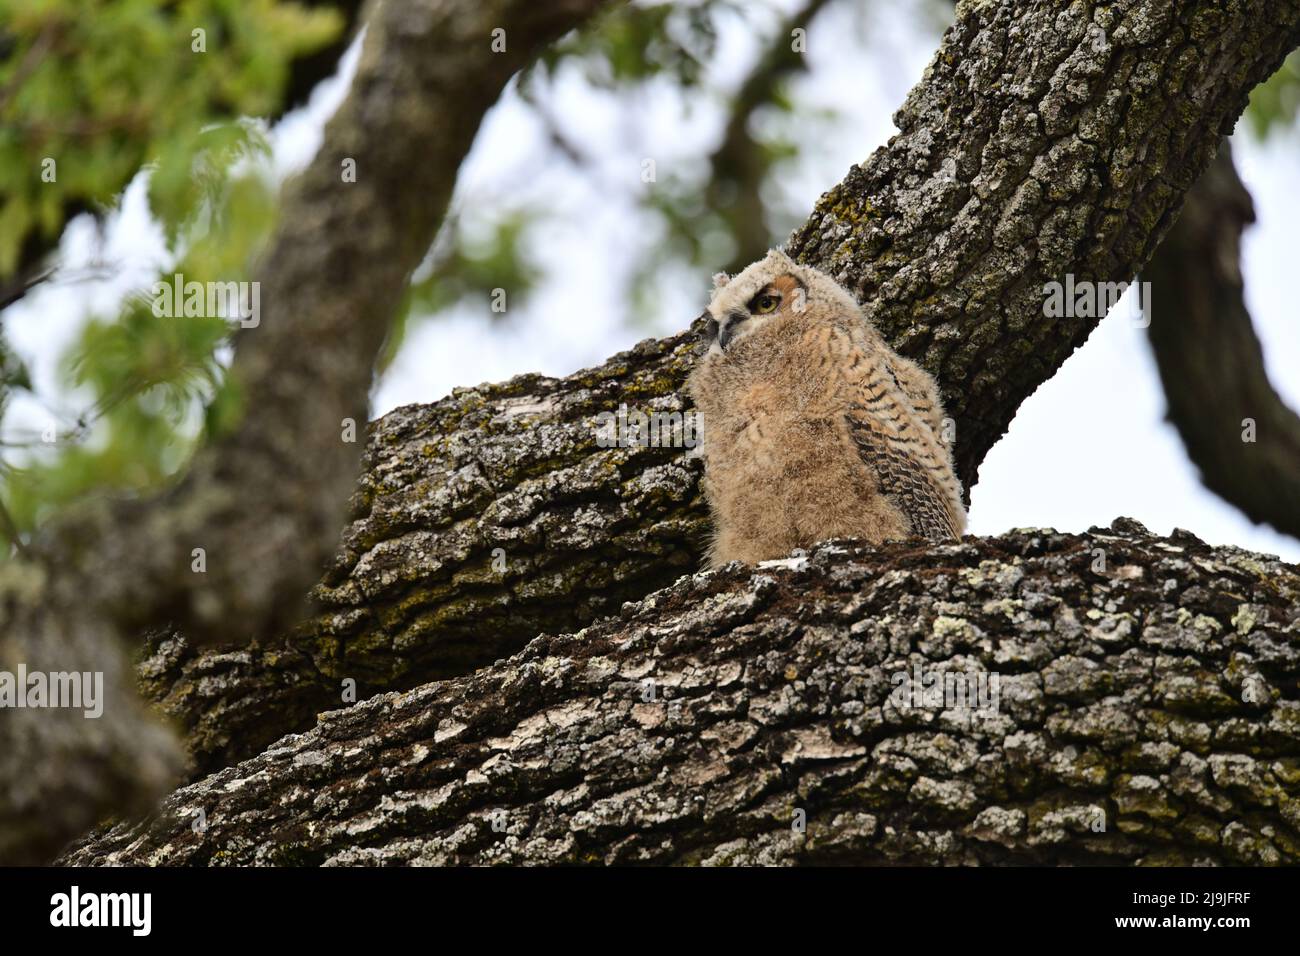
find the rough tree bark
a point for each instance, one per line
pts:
(418, 589)
(1147, 711)
(1045, 139)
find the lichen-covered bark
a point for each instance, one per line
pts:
(480, 521)
(1045, 138)
(1148, 711)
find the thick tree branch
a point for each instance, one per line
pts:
(1043, 140)
(480, 521)
(1147, 708)
(1210, 361)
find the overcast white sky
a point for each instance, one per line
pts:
(1088, 446)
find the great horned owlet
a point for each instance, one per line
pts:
(813, 427)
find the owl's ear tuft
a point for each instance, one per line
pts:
(720, 279)
(780, 256)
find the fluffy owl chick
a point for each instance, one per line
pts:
(813, 427)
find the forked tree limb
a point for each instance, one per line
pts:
(1042, 140)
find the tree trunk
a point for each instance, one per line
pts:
(1146, 710)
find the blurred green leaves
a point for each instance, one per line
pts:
(99, 88)
(632, 44)
(190, 174)
(171, 359)
(91, 93)
(1275, 102)
(155, 384)
(475, 263)
(469, 265)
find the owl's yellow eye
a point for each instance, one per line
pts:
(766, 303)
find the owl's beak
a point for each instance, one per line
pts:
(728, 332)
(710, 325)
